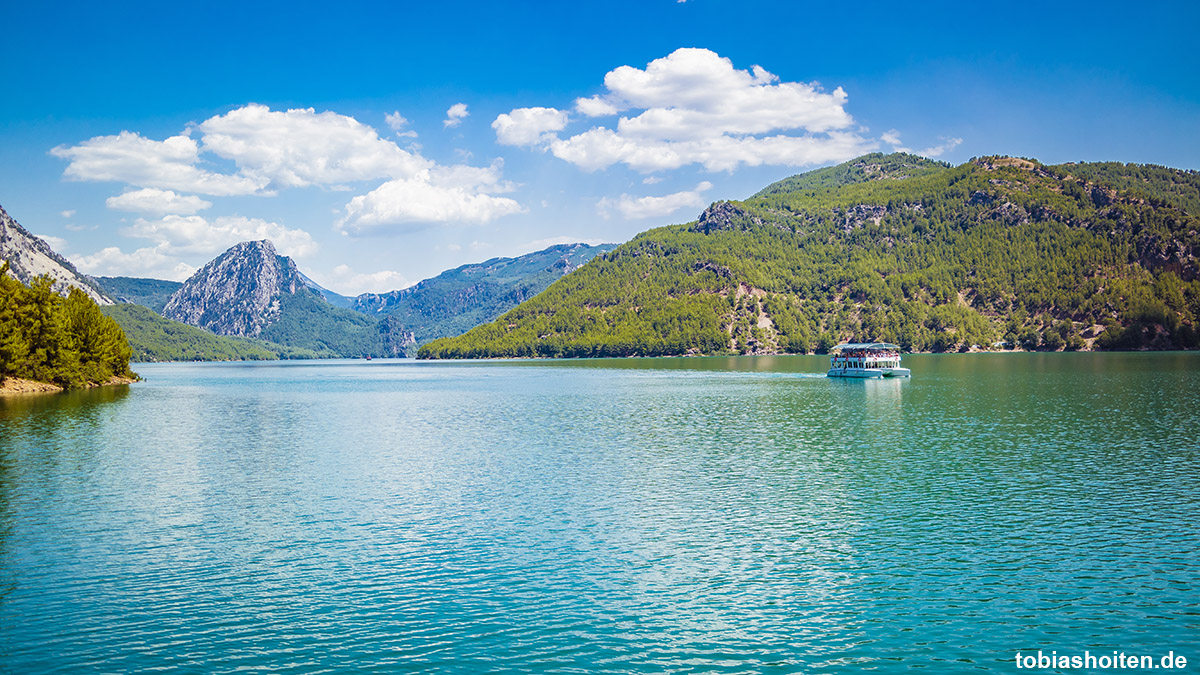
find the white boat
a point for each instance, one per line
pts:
(866, 359)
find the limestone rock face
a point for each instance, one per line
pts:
(29, 256)
(238, 292)
(724, 216)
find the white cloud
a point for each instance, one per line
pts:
(947, 145)
(194, 235)
(595, 106)
(144, 262)
(653, 207)
(57, 243)
(175, 237)
(273, 150)
(694, 107)
(397, 122)
(601, 148)
(892, 138)
(452, 194)
(348, 282)
(300, 147)
(171, 164)
(157, 202)
(455, 115)
(67, 214)
(529, 126)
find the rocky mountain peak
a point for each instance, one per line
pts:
(29, 256)
(724, 215)
(238, 292)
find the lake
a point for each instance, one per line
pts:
(716, 515)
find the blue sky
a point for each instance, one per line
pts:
(381, 143)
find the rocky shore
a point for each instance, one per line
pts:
(18, 386)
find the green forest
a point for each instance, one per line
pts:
(49, 338)
(1000, 251)
(155, 338)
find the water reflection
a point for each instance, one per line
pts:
(648, 515)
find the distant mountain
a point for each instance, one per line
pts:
(155, 338)
(895, 248)
(873, 167)
(152, 293)
(335, 299)
(29, 256)
(460, 299)
(252, 291)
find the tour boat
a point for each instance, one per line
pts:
(866, 359)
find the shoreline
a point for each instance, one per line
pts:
(16, 386)
(701, 356)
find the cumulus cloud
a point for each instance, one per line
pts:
(144, 262)
(57, 243)
(301, 147)
(157, 202)
(397, 122)
(652, 207)
(892, 138)
(453, 194)
(694, 107)
(176, 237)
(455, 115)
(529, 126)
(595, 106)
(193, 235)
(170, 165)
(279, 149)
(67, 214)
(348, 282)
(946, 145)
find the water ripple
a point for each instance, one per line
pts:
(672, 515)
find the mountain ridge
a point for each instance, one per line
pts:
(252, 291)
(29, 256)
(949, 258)
(463, 297)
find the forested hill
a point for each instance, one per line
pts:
(889, 247)
(457, 300)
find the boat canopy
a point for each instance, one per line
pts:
(867, 346)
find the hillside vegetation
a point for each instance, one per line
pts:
(457, 300)
(154, 338)
(308, 322)
(152, 293)
(49, 338)
(895, 248)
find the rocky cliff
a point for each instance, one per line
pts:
(252, 291)
(29, 256)
(239, 292)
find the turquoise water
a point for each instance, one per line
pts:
(657, 515)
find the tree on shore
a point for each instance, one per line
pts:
(49, 338)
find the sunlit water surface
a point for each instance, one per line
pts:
(660, 515)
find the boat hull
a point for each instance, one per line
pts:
(869, 373)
